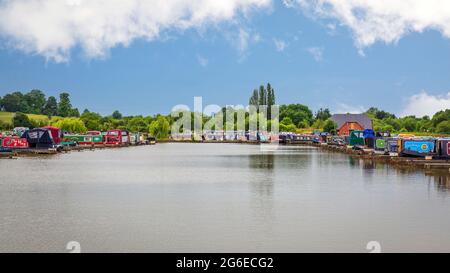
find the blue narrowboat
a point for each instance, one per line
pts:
(418, 147)
(369, 138)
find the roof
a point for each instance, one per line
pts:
(362, 119)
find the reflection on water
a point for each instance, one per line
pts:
(440, 178)
(219, 198)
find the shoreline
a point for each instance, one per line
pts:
(368, 154)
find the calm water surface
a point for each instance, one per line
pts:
(218, 198)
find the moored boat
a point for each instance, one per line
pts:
(443, 148)
(418, 147)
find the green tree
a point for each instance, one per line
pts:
(443, 127)
(64, 105)
(254, 99)
(91, 120)
(440, 117)
(270, 99)
(137, 124)
(72, 124)
(262, 95)
(409, 123)
(160, 128)
(50, 107)
(74, 112)
(22, 120)
(330, 126)
(323, 114)
(14, 102)
(116, 115)
(35, 99)
(296, 112)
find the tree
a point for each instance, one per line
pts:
(5, 125)
(160, 128)
(14, 102)
(270, 99)
(330, 126)
(262, 95)
(296, 112)
(323, 114)
(35, 99)
(116, 115)
(22, 120)
(440, 117)
(74, 112)
(64, 105)
(50, 107)
(443, 127)
(91, 120)
(137, 124)
(409, 123)
(72, 124)
(254, 99)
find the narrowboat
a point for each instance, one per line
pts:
(230, 136)
(135, 139)
(380, 145)
(117, 137)
(94, 133)
(41, 138)
(392, 146)
(418, 147)
(14, 143)
(369, 138)
(356, 138)
(5, 150)
(55, 132)
(262, 137)
(19, 131)
(336, 141)
(151, 140)
(444, 148)
(113, 137)
(84, 139)
(285, 138)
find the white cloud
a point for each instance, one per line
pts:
(425, 104)
(202, 61)
(52, 28)
(280, 45)
(343, 108)
(316, 53)
(381, 20)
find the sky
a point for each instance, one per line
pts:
(146, 56)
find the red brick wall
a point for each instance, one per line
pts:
(349, 126)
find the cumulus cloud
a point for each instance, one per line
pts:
(52, 28)
(316, 53)
(381, 20)
(280, 45)
(424, 104)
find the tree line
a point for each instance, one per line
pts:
(291, 117)
(35, 102)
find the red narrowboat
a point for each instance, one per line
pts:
(55, 132)
(117, 137)
(14, 142)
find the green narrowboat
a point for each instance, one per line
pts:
(356, 138)
(380, 144)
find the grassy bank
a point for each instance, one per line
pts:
(7, 117)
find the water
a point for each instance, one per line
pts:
(218, 198)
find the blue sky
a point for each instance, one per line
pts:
(312, 60)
